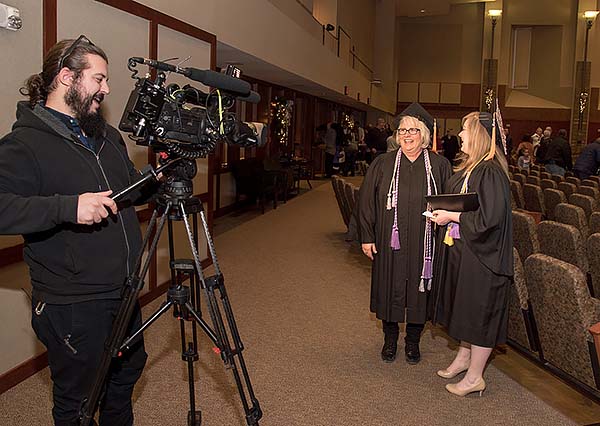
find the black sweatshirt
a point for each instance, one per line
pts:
(43, 170)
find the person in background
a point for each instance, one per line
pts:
(558, 156)
(542, 149)
(330, 149)
(394, 233)
(524, 161)
(450, 145)
(472, 286)
(376, 140)
(588, 162)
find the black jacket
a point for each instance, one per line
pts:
(588, 161)
(559, 153)
(43, 169)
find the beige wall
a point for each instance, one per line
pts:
(357, 18)
(16, 338)
(442, 48)
(545, 13)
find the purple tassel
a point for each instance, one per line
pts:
(427, 269)
(395, 240)
(454, 231)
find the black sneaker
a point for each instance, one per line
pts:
(413, 355)
(388, 352)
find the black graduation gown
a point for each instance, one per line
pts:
(473, 277)
(396, 274)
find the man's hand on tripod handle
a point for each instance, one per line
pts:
(93, 207)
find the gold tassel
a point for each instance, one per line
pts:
(492, 152)
(434, 145)
(448, 240)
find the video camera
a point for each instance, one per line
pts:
(185, 121)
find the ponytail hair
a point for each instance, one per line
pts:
(35, 89)
(38, 86)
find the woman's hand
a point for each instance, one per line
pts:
(443, 217)
(369, 250)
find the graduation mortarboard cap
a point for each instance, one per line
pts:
(494, 128)
(415, 110)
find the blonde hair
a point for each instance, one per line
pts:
(415, 122)
(479, 144)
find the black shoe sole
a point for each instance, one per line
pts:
(413, 361)
(387, 360)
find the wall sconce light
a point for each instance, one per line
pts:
(590, 16)
(329, 27)
(490, 92)
(10, 18)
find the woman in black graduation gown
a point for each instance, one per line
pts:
(394, 233)
(475, 259)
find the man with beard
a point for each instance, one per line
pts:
(58, 167)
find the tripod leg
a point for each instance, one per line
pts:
(229, 356)
(131, 290)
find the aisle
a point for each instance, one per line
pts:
(300, 296)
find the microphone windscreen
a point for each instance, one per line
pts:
(220, 81)
(253, 97)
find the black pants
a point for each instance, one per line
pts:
(329, 164)
(413, 331)
(74, 335)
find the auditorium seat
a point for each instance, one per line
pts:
(572, 215)
(563, 242)
(349, 191)
(594, 222)
(573, 180)
(534, 199)
(548, 183)
(590, 191)
(587, 203)
(545, 175)
(521, 325)
(340, 197)
(589, 182)
(519, 177)
(564, 313)
(557, 178)
(533, 180)
(535, 173)
(517, 194)
(595, 179)
(525, 238)
(552, 198)
(567, 188)
(593, 252)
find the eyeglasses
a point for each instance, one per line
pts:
(71, 49)
(411, 131)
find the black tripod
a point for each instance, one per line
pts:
(174, 203)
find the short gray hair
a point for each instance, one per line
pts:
(415, 122)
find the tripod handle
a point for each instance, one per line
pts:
(147, 173)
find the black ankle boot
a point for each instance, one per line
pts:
(413, 355)
(388, 352)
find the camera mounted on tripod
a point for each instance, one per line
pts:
(185, 121)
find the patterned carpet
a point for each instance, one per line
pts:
(300, 297)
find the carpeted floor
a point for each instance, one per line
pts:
(300, 296)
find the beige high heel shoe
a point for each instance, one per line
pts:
(447, 374)
(477, 387)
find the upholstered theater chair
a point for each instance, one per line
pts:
(565, 316)
(574, 216)
(525, 236)
(517, 194)
(563, 242)
(534, 199)
(522, 331)
(552, 198)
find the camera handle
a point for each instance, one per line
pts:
(148, 173)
